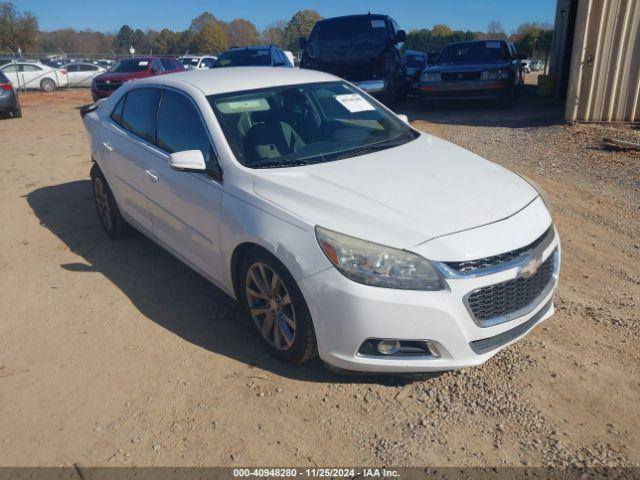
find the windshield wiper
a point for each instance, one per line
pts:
(280, 163)
(365, 149)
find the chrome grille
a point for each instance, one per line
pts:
(488, 262)
(505, 298)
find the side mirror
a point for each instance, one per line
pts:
(188, 161)
(302, 42)
(401, 36)
(404, 118)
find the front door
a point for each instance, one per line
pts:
(185, 207)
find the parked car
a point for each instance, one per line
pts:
(525, 65)
(9, 100)
(415, 62)
(4, 61)
(82, 74)
(432, 57)
(128, 69)
(474, 70)
(35, 76)
(52, 62)
(196, 62)
(536, 65)
(360, 48)
(104, 63)
(339, 227)
(258, 56)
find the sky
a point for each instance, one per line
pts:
(176, 15)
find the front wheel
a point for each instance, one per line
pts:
(277, 307)
(47, 85)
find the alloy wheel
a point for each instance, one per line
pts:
(270, 306)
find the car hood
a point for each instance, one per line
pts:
(121, 77)
(465, 67)
(401, 196)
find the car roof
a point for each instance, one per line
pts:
(254, 47)
(225, 80)
(376, 16)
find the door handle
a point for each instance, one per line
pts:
(154, 177)
(107, 146)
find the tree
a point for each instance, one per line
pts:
(212, 38)
(299, 26)
(441, 30)
(495, 31)
(17, 30)
(533, 39)
(242, 33)
(125, 38)
(274, 33)
(198, 23)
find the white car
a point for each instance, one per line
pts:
(196, 62)
(338, 227)
(81, 74)
(35, 76)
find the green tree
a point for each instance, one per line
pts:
(125, 38)
(199, 22)
(299, 26)
(242, 33)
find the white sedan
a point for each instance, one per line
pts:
(35, 76)
(341, 229)
(81, 74)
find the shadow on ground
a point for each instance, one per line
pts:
(528, 110)
(165, 290)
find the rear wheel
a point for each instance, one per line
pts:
(277, 307)
(108, 212)
(17, 113)
(47, 85)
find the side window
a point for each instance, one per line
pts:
(116, 115)
(180, 127)
(86, 68)
(29, 68)
(139, 112)
(168, 64)
(10, 69)
(72, 68)
(156, 65)
(208, 62)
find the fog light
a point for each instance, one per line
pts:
(389, 347)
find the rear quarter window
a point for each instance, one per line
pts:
(139, 112)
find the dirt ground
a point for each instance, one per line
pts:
(114, 353)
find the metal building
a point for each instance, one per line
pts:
(595, 59)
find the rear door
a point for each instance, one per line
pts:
(124, 155)
(185, 207)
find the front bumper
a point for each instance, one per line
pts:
(471, 90)
(346, 314)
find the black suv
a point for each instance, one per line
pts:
(487, 69)
(362, 49)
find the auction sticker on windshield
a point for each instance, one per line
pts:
(354, 102)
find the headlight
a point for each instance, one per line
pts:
(431, 77)
(378, 265)
(494, 74)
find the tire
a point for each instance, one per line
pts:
(17, 113)
(47, 85)
(106, 207)
(281, 316)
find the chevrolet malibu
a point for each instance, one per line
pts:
(342, 230)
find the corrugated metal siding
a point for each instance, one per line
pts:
(604, 83)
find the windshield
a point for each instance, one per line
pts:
(305, 124)
(130, 65)
(189, 61)
(348, 38)
(244, 58)
(475, 52)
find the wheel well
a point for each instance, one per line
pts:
(236, 259)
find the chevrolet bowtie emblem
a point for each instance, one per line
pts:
(530, 268)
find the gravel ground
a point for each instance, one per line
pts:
(113, 353)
